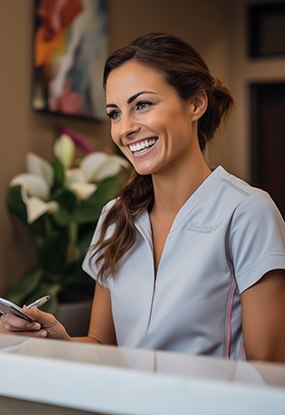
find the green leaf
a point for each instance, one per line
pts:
(89, 210)
(87, 213)
(18, 208)
(106, 190)
(52, 252)
(16, 204)
(85, 234)
(65, 198)
(28, 283)
(59, 174)
(67, 202)
(62, 217)
(38, 227)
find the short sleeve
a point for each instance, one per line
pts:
(89, 262)
(257, 239)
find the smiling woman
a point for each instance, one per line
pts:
(142, 118)
(186, 258)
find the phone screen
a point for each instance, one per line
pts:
(7, 307)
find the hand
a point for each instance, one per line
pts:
(45, 325)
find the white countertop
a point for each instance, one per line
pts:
(127, 381)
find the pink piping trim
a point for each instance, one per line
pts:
(241, 350)
(229, 318)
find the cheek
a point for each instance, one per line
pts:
(116, 139)
(154, 121)
(114, 135)
(161, 122)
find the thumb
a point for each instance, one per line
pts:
(49, 323)
(46, 319)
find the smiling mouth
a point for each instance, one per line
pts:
(142, 145)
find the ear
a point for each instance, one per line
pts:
(198, 105)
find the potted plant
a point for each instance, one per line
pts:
(60, 202)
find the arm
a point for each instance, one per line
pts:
(263, 318)
(101, 328)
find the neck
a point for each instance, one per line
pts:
(173, 189)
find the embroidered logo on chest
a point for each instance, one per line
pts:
(196, 227)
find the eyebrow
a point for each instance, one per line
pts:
(131, 99)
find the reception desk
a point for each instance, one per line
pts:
(45, 376)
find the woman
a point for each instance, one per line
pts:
(187, 258)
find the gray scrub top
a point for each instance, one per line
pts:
(223, 240)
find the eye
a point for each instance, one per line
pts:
(141, 105)
(113, 115)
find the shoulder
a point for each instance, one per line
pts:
(234, 185)
(246, 198)
(256, 231)
(91, 269)
(252, 216)
(109, 206)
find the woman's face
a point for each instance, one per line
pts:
(150, 123)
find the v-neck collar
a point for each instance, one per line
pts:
(205, 189)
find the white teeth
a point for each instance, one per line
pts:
(142, 145)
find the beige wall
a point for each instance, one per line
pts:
(214, 27)
(245, 71)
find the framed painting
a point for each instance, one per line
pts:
(69, 50)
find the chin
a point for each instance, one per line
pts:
(143, 171)
(145, 167)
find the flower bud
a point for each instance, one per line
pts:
(64, 150)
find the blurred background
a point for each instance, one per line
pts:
(241, 40)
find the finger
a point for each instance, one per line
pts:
(39, 333)
(48, 321)
(13, 323)
(45, 319)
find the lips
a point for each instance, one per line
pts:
(142, 145)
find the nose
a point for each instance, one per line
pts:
(128, 126)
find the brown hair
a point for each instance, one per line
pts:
(185, 70)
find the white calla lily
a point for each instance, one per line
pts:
(32, 185)
(64, 150)
(120, 160)
(34, 192)
(82, 190)
(74, 176)
(108, 169)
(91, 165)
(112, 166)
(37, 207)
(38, 166)
(98, 166)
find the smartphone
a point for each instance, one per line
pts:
(7, 307)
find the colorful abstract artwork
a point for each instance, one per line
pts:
(70, 48)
